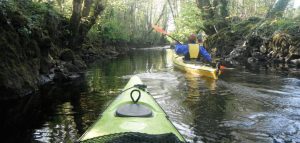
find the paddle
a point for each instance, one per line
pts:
(162, 31)
(222, 67)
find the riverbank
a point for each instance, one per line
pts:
(36, 50)
(258, 41)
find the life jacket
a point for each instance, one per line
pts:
(194, 50)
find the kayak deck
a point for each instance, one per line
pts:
(109, 123)
(194, 67)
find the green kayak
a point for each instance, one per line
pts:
(134, 116)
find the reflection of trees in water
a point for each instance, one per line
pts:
(61, 124)
(103, 86)
(104, 83)
(208, 108)
(148, 60)
(47, 117)
(62, 127)
(210, 111)
(144, 60)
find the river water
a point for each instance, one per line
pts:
(244, 105)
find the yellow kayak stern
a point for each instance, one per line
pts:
(193, 67)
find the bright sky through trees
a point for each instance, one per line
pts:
(297, 3)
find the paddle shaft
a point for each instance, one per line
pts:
(173, 38)
(162, 31)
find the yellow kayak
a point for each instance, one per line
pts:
(193, 67)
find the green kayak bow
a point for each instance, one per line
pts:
(132, 117)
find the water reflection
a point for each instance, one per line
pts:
(242, 106)
(61, 128)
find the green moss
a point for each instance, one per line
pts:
(23, 30)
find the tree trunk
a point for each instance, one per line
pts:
(159, 18)
(171, 8)
(213, 15)
(278, 9)
(206, 9)
(76, 16)
(78, 27)
(87, 8)
(86, 26)
(224, 8)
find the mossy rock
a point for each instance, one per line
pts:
(80, 64)
(67, 55)
(18, 19)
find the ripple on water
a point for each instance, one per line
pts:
(241, 106)
(266, 126)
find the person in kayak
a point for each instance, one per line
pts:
(193, 50)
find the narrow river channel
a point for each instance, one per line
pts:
(244, 105)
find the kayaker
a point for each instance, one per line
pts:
(193, 50)
(200, 38)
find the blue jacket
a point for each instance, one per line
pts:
(183, 49)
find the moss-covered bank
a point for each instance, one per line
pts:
(258, 41)
(35, 48)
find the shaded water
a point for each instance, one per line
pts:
(242, 106)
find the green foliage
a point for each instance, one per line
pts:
(278, 9)
(33, 12)
(268, 27)
(37, 12)
(284, 24)
(245, 26)
(189, 21)
(126, 22)
(250, 8)
(64, 7)
(109, 31)
(8, 5)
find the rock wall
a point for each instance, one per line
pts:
(31, 37)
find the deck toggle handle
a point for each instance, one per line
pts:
(138, 98)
